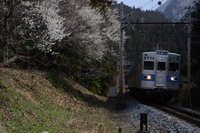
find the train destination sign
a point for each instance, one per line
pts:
(174, 59)
(162, 53)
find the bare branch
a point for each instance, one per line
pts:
(7, 63)
(13, 59)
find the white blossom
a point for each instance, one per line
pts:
(49, 11)
(79, 22)
(98, 31)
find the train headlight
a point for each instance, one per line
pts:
(147, 77)
(174, 79)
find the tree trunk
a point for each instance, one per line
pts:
(5, 53)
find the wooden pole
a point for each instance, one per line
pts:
(188, 98)
(121, 86)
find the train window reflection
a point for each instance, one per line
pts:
(173, 66)
(148, 65)
(161, 66)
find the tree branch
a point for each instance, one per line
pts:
(6, 63)
(13, 59)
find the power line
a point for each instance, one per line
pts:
(146, 4)
(181, 11)
(156, 4)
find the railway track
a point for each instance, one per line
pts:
(185, 114)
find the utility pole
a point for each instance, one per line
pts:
(188, 97)
(121, 85)
(121, 105)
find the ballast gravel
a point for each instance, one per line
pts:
(157, 121)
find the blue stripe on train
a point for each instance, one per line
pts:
(142, 77)
(169, 79)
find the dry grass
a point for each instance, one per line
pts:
(30, 103)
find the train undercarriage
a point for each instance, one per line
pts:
(157, 95)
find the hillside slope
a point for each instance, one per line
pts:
(175, 9)
(31, 103)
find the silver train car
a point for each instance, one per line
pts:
(155, 73)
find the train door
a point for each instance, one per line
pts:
(161, 72)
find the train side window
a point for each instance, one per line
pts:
(148, 65)
(161, 66)
(173, 66)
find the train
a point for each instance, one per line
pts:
(155, 74)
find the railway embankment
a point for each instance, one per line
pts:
(32, 102)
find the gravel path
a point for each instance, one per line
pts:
(158, 121)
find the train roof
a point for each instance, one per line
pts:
(161, 52)
(174, 54)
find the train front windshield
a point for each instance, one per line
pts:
(173, 66)
(148, 65)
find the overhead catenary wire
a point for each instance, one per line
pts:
(146, 3)
(156, 5)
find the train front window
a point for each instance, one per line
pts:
(161, 66)
(148, 65)
(173, 66)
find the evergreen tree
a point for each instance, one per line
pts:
(195, 55)
(196, 44)
(102, 4)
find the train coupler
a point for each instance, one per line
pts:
(160, 91)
